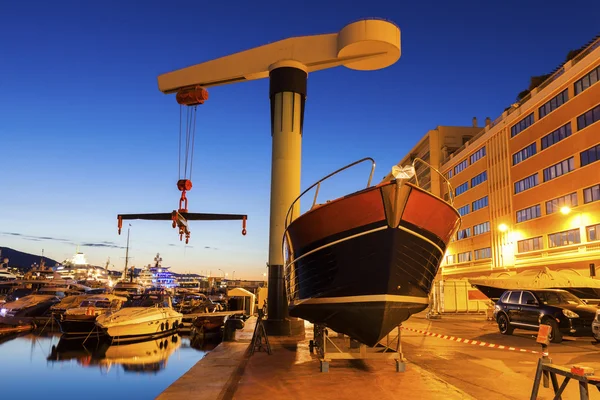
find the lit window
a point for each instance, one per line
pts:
(521, 125)
(526, 183)
(554, 103)
(477, 155)
(559, 169)
(564, 238)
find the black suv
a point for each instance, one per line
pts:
(527, 309)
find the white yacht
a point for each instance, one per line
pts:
(5, 275)
(147, 316)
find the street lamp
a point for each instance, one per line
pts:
(502, 227)
(565, 210)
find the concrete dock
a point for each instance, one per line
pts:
(292, 372)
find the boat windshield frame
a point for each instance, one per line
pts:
(143, 300)
(446, 181)
(289, 215)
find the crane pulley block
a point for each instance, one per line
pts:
(192, 96)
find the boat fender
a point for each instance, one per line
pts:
(90, 311)
(167, 325)
(162, 326)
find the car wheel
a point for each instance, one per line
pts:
(555, 334)
(504, 326)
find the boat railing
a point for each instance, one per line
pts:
(445, 180)
(290, 213)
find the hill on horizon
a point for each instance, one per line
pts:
(23, 260)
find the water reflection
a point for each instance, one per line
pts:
(60, 369)
(146, 357)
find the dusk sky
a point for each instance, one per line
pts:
(85, 134)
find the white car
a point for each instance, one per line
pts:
(596, 326)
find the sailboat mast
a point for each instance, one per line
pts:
(126, 254)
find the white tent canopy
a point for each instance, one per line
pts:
(544, 279)
(240, 292)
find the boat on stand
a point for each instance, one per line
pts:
(364, 263)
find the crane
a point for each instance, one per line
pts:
(365, 45)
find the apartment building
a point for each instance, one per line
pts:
(434, 148)
(528, 185)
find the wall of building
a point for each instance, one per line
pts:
(499, 187)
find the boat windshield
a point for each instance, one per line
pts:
(95, 303)
(132, 290)
(148, 300)
(557, 298)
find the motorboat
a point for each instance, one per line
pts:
(127, 288)
(192, 304)
(147, 316)
(364, 263)
(26, 308)
(77, 322)
(66, 303)
(572, 281)
(5, 275)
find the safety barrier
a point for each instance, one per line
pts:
(473, 342)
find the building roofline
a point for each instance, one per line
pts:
(592, 47)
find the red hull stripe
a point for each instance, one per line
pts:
(431, 214)
(340, 215)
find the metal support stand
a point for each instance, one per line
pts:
(343, 348)
(259, 333)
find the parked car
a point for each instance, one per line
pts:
(528, 309)
(596, 326)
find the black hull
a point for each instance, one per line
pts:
(77, 329)
(367, 285)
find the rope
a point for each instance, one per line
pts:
(190, 136)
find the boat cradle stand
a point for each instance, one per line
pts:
(342, 347)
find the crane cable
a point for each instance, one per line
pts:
(190, 138)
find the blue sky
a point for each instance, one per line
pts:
(85, 134)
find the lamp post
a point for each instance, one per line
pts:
(503, 228)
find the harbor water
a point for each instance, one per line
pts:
(43, 366)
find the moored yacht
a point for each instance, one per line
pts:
(147, 316)
(26, 308)
(77, 322)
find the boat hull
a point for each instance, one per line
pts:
(157, 328)
(77, 327)
(371, 275)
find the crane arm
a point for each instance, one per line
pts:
(362, 45)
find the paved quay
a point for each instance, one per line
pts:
(436, 368)
(292, 372)
(215, 375)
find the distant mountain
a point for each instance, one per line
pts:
(23, 260)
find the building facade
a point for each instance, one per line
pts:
(434, 148)
(528, 185)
